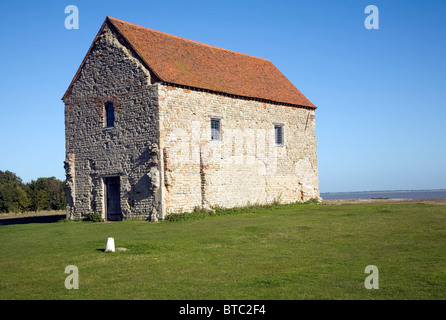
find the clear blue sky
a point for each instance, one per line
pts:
(381, 94)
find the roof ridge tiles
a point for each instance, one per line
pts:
(185, 39)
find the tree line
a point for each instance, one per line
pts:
(37, 195)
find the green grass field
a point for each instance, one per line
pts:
(300, 251)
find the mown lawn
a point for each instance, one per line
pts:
(306, 251)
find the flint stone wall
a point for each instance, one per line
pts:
(111, 73)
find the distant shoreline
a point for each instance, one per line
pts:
(389, 194)
(377, 191)
(441, 201)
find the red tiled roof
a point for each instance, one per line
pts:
(189, 63)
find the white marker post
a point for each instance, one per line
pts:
(110, 245)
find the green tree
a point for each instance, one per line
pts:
(47, 194)
(13, 195)
(41, 194)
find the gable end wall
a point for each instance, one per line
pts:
(128, 150)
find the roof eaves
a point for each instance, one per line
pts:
(312, 107)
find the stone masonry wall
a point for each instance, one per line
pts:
(129, 150)
(161, 148)
(246, 167)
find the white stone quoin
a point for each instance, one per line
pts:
(110, 245)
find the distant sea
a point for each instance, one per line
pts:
(390, 194)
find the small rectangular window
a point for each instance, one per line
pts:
(215, 130)
(109, 115)
(278, 135)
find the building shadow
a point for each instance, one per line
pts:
(35, 219)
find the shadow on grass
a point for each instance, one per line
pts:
(35, 219)
(116, 250)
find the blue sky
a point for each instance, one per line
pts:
(381, 94)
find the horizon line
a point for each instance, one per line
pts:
(395, 190)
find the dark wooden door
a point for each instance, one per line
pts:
(113, 196)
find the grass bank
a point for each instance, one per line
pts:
(301, 251)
